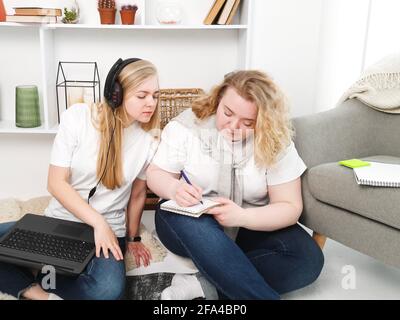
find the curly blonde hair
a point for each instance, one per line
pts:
(273, 130)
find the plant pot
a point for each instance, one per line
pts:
(107, 16)
(128, 16)
(2, 12)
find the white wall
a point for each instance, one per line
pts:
(316, 49)
(341, 49)
(22, 54)
(24, 163)
(24, 158)
(285, 45)
(354, 35)
(384, 29)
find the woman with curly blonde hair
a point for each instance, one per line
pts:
(235, 145)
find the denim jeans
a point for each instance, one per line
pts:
(102, 279)
(259, 265)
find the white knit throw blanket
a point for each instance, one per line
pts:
(379, 86)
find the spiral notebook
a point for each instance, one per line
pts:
(378, 175)
(193, 211)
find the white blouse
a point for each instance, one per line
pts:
(180, 150)
(76, 146)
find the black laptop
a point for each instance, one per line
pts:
(36, 241)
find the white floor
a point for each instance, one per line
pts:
(347, 274)
(373, 279)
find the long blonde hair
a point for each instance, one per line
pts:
(273, 129)
(111, 171)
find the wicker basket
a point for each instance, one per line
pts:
(172, 102)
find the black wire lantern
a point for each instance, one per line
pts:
(63, 82)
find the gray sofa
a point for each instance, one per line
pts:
(364, 218)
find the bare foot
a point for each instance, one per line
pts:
(35, 293)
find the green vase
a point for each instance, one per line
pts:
(27, 111)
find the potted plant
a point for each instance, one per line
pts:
(107, 11)
(128, 14)
(70, 16)
(2, 12)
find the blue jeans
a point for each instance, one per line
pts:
(259, 265)
(103, 279)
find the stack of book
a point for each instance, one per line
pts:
(34, 15)
(222, 12)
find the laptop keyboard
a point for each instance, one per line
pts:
(48, 245)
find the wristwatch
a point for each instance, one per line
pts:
(134, 239)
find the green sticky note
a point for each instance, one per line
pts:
(354, 163)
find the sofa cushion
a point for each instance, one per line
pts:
(334, 184)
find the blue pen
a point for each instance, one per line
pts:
(188, 181)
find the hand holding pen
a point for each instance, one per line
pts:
(184, 176)
(186, 193)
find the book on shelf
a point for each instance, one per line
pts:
(214, 12)
(36, 11)
(31, 19)
(226, 10)
(233, 12)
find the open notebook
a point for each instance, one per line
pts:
(378, 174)
(193, 211)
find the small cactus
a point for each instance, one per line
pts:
(106, 4)
(129, 7)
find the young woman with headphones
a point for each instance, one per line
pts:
(97, 176)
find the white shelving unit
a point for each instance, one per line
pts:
(187, 55)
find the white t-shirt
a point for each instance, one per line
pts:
(179, 150)
(76, 146)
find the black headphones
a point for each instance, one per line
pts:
(113, 92)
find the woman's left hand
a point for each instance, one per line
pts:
(228, 214)
(140, 252)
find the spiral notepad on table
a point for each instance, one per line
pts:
(193, 211)
(378, 175)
